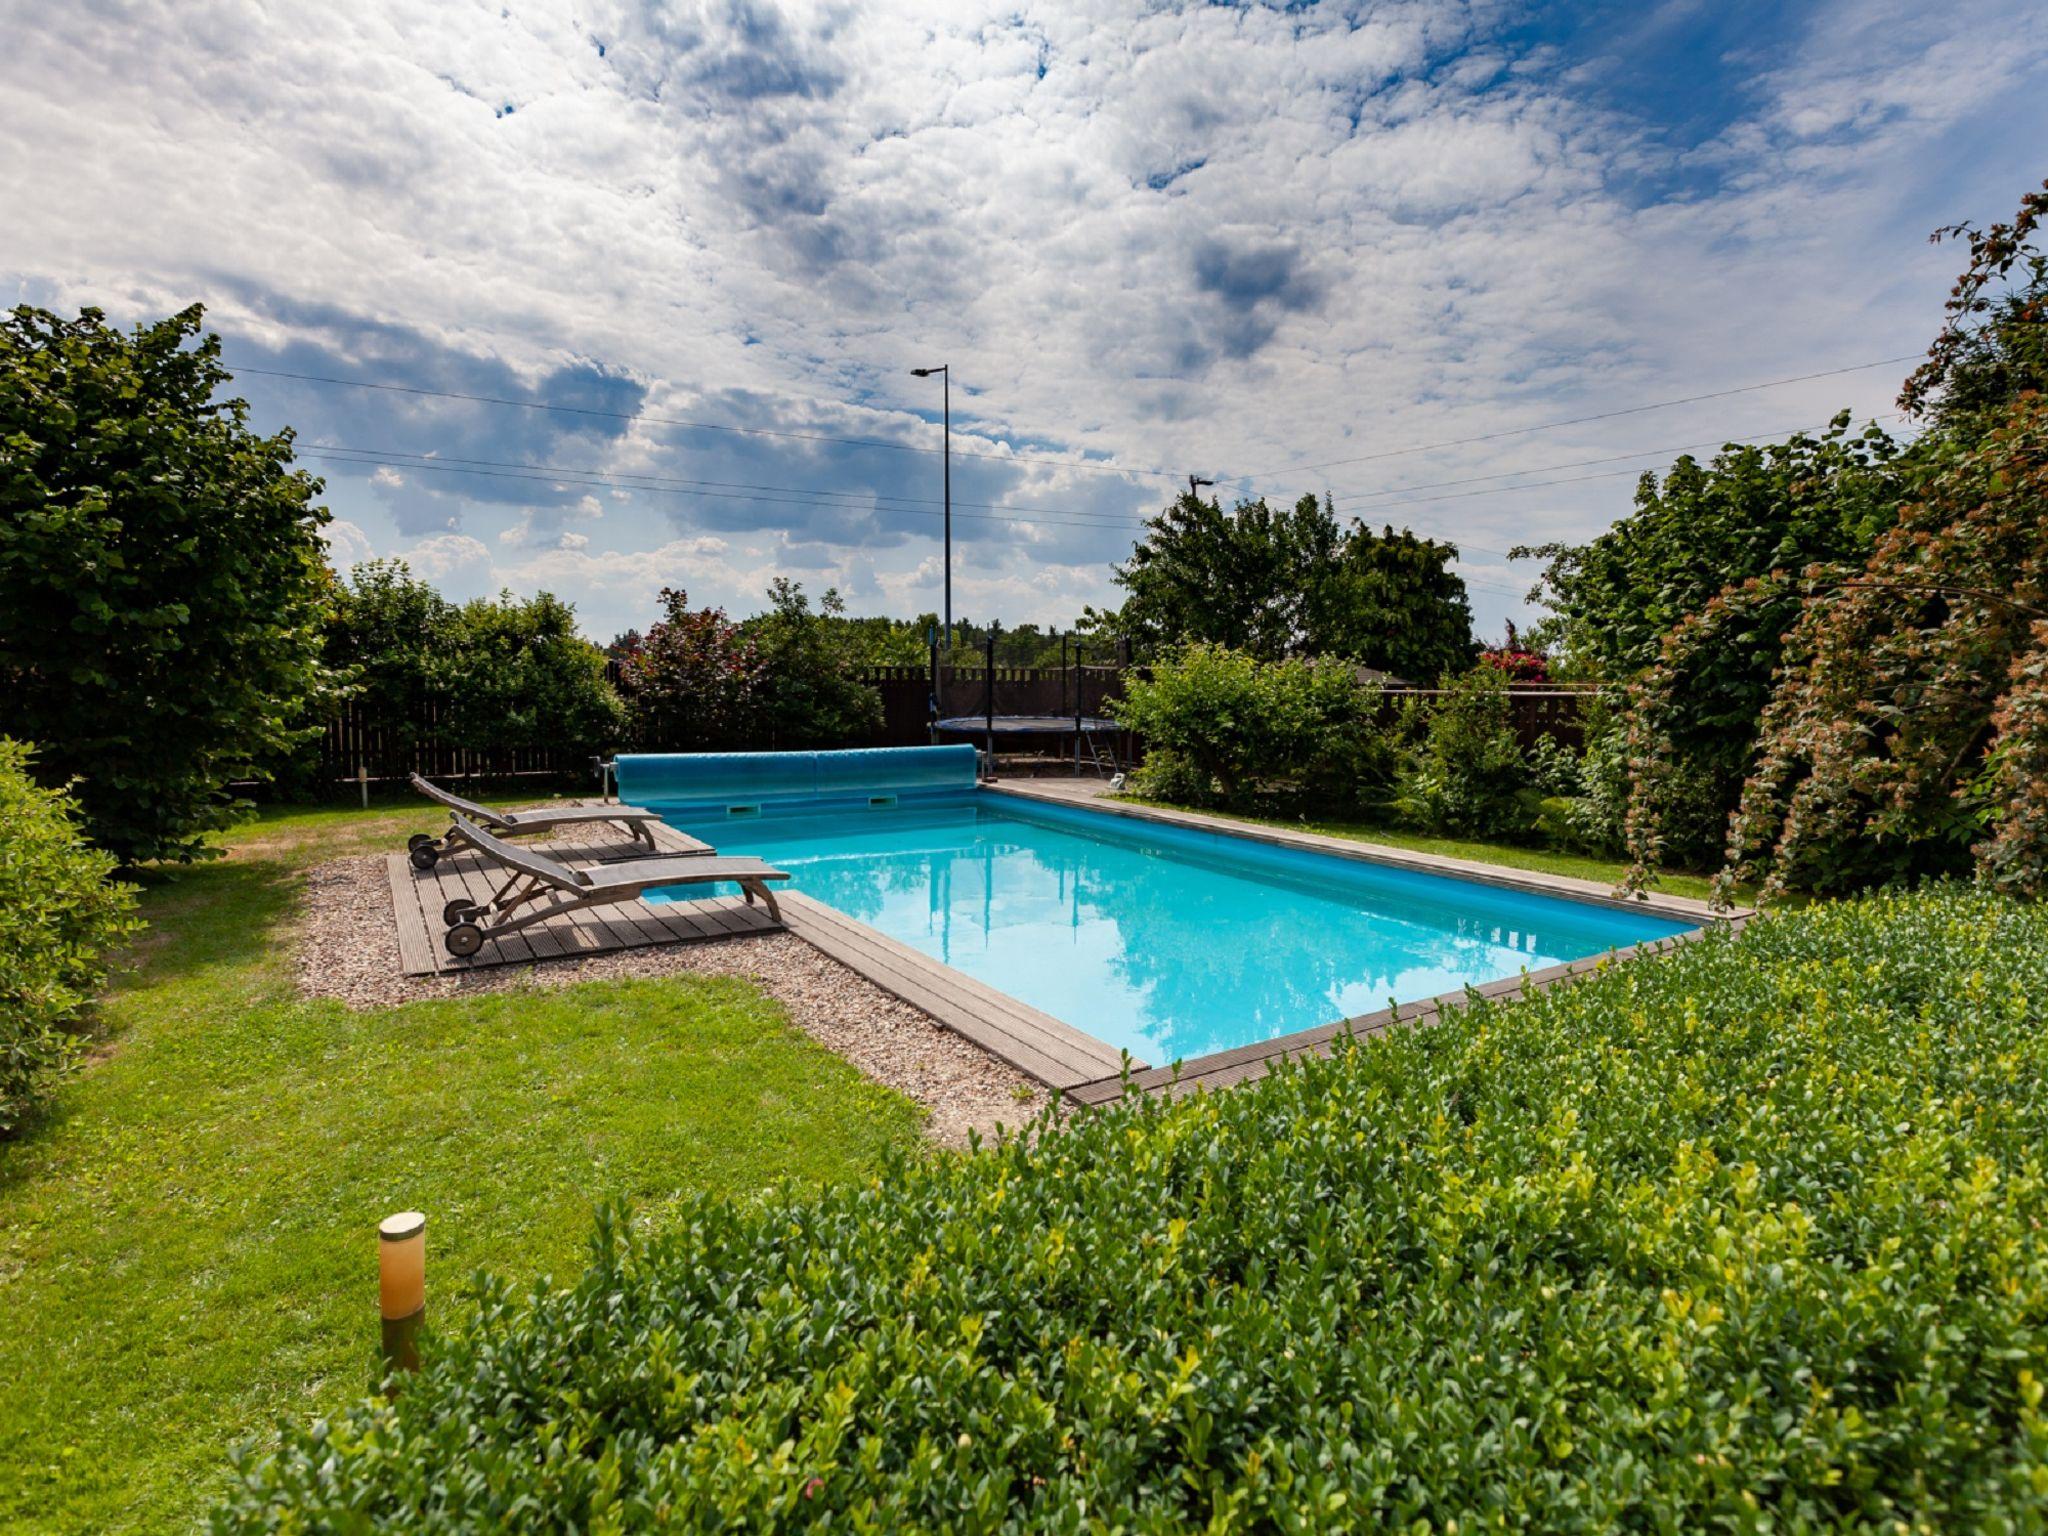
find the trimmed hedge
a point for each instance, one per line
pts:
(60, 913)
(1749, 1235)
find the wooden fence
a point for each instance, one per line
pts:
(354, 742)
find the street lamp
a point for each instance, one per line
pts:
(944, 370)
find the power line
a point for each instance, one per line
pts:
(1613, 458)
(1574, 421)
(697, 426)
(558, 479)
(635, 478)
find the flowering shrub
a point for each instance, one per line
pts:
(1518, 666)
(1872, 758)
(1752, 1236)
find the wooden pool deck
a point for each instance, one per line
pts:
(1053, 1052)
(417, 899)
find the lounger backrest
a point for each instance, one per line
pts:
(468, 808)
(527, 861)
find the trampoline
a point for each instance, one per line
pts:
(1082, 731)
(1092, 738)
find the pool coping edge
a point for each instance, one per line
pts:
(1068, 1059)
(1688, 909)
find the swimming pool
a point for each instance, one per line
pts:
(1161, 940)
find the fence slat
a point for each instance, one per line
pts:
(352, 739)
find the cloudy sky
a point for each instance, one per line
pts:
(1379, 250)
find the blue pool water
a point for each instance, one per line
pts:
(1164, 941)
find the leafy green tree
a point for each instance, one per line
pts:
(519, 678)
(1746, 512)
(496, 675)
(162, 578)
(807, 694)
(1392, 601)
(388, 638)
(1291, 581)
(1750, 515)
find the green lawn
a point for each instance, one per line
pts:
(187, 1244)
(1512, 855)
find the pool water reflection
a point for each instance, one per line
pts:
(1163, 941)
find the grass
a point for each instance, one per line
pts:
(1510, 855)
(187, 1244)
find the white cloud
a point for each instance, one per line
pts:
(1218, 239)
(448, 555)
(347, 544)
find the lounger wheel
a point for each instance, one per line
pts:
(416, 839)
(460, 910)
(424, 855)
(463, 940)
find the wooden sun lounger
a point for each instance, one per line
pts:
(534, 877)
(424, 850)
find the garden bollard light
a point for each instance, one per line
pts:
(402, 1286)
(363, 782)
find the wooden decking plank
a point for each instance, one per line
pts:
(631, 924)
(733, 914)
(415, 945)
(1044, 1047)
(466, 876)
(683, 919)
(948, 1006)
(979, 994)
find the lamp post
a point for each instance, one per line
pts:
(945, 372)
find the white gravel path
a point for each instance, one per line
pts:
(347, 948)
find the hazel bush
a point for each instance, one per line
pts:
(60, 912)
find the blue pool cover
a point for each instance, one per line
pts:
(766, 781)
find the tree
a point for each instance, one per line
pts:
(1905, 725)
(520, 678)
(387, 641)
(1747, 519)
(1292, 582)
(1907, 719)
(690, 686)
(1993, 345)
(1392, 601)
(806, 694)
(162, 579)
(509, 674)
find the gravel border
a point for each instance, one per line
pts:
(346, 948)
